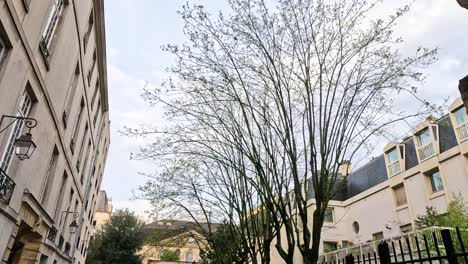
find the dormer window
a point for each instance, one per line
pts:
(394, 158)
(394, 162)
(425, 146)
(462, 123)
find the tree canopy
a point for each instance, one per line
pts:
(263, 105)
(118, 241)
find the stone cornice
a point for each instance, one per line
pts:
(100, 31)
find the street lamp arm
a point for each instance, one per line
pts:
(29, 122)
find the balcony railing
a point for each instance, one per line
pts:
(7, 186)
(426, 151)
(52, 234)
(394, 168)
(462, 131)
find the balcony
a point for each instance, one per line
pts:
(462, 131)
(52, 234)
(394, 168)
(426, 151)
(7, 186)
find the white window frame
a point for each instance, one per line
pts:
(332, 214)
(23, 110)
(52, 22)
(461, 129)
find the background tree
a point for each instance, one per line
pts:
(264, 104)
(170, 255)
(119, 240)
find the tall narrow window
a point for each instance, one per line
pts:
(3, 50)
(400, 195)
(50, 175)
(86, 161)
(80, 155)
(71, 94)
(462, 123)
(96, 89)
(98, 112)
(58, 206)
(23, 110)
(328, 217)
(51, 27)
(393, 162)
(91, 69)
(425, 146)
(77, 125)
(436, 181)
(189, 257)
(88, 31)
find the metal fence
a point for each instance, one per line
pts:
(448, 245)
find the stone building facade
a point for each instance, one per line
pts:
(383, 198)
(52, 69)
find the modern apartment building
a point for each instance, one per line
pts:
(383, 198)
(53, 79)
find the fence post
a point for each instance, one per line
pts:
(384, 253)
(349, 259)
(449, 248)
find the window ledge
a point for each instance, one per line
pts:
(401, 207)
(437, 194)
(328, 224)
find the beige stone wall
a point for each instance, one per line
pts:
(23, 68)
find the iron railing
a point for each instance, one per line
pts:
(462, 131)
(434, 245)
(52, 234)
(7, 187)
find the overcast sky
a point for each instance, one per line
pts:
(136, 29)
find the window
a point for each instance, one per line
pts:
(77, 126)
(43, 259)
(436, 181)
(49, 177)
(23, 110)
(91, 69)
(393, 162)
(51, 27)
(328, 217)
(425, 146)
(58, 205)
(424, 137)
(329, 246)
(3, 50)
(461, 116)
(393, 156)
(88, 31)
(462, 123)
(406, 228)
(71, 94)
(189, 257)
(400, 195)
(86, 161)
(98, 112)
(80, 155)
(378, 236)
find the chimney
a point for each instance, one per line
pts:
(345, 168)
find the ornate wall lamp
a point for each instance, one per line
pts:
(24, 145)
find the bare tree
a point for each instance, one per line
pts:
(263, 106)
